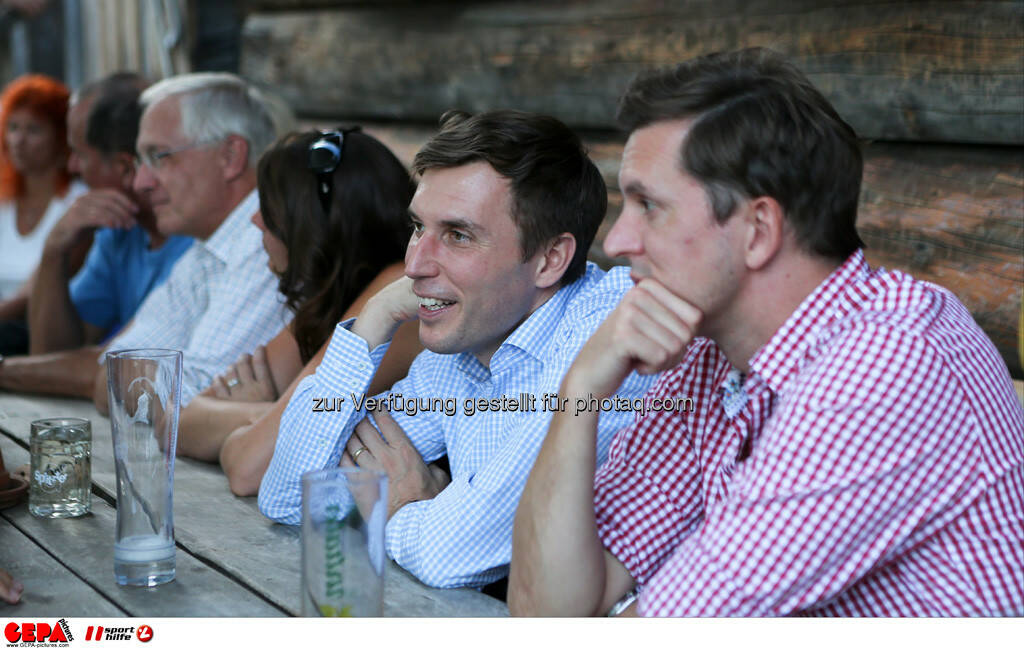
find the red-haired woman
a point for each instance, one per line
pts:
(35, 190)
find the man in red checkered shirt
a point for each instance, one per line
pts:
(826, 439)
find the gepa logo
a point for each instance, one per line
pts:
(34, 632)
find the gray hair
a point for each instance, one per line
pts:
(215, 105)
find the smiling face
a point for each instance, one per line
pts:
(187, 187)
(465, 258)
(667, 228)
(31, 143)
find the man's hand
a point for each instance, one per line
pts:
(385, 311)
(648, 332)
(409, 478)
(249, 379)
(107, 208)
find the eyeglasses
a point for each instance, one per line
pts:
(324, 158)
(154, 159)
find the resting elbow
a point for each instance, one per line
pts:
(243, 478)
(242, 483)
(436, 577)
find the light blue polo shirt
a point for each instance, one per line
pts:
(119, 273)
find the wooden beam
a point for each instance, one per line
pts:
(923, 71)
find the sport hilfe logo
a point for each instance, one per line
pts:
(30, 633)
(143, 633)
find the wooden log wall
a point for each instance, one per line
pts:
(933, 71)
(938, 86)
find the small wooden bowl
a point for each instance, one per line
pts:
(12, 489)
(16, 491)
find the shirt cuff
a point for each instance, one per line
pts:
(402, 533)
(346, 345)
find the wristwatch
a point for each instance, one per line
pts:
(623, 603)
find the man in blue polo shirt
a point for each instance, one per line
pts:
(128, 257)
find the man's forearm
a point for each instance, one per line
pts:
(557, 557)
(69, 373)
(53, 320)
(310, 436)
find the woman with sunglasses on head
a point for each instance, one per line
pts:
(35, 191)
(333, 211)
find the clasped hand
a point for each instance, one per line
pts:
(409, 477)
(249, 379)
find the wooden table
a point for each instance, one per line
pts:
(231, 561)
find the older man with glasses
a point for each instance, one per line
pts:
(200, 138)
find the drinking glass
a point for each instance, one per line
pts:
(60, 475)
(144, 387)
(343, 517)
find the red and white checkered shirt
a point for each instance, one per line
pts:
(875, 467)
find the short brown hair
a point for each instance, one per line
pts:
(760, 129)
(556, 188)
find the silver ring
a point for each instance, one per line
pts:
(232, 382)
(355, 456)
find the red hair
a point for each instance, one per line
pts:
(47, 99)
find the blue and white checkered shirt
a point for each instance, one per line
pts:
(219, 302)
(463, 536)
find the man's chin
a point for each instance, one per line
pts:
(432, 340)
(167, 222)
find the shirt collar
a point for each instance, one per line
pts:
(782, 356)
(533, 336)
(223, 243)
(532, 339)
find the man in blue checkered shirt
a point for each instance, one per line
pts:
(496, 273)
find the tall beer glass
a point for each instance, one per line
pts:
(144, 387)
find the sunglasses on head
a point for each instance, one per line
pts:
(324, 158)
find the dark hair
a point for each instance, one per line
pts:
(113, 124)
(333, 257)
(760, 129)
(556, 188)
(123, 81)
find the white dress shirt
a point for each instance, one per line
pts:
(219, 302)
